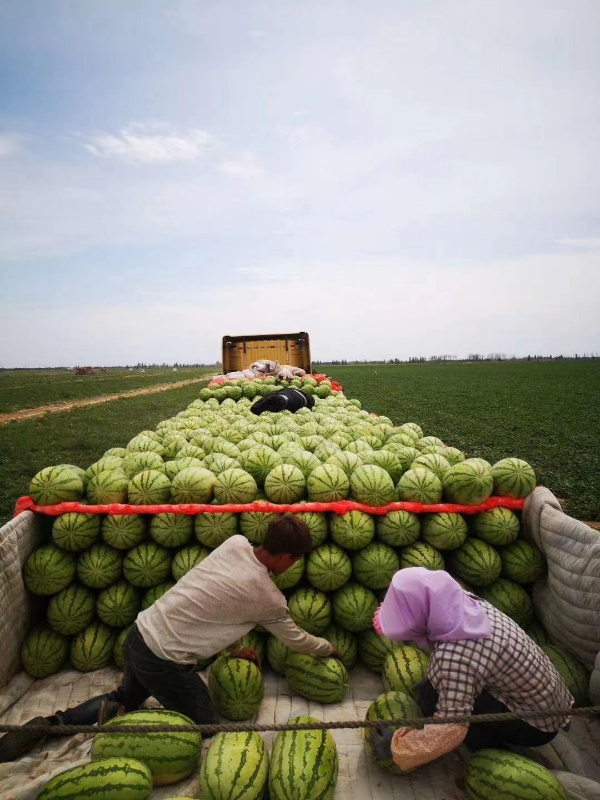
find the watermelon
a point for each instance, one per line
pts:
(109, 779)
(328, 567)
(92, 648)
(173, 444)
(285, 484)
(75, 532)
(345, 643)
(108, 486)
(511, 599)
(398, 528)
(193, 485)
(388, 706)
(218, 463)
(428, 441)
(522, 562)
(170, 757)
(56, 485)
(434, 462)
(373, 648)
(375, 565)
(475, 562)
(353, 607)
(123, 530)
(304, 460)
(493, 774)
(43, 652)
(49, 569)
(121, 452)
(236, 686)
(324, 680)
(304, 764)
(235, 486)
(257, 641)
(254, 524)
(118, 605)
(404, 668)
(310, 610)
(536, 631)
(328, 483)
(372, 485)
(291, 576)
(99, 566)
(236, 765)
(118, 648)
(171, 530)
(147, 564)
(453, 455)
(420, 486)
(327, 449)
(469, 482)
(497, 526)
(317, 525)
(155, 592)
(388, 461)
(572, 671)
(444, 531)
(346, 460)
(173, 468)
(513, 477)
(71, 610)
(138, 462)
(149, 487)
(352, 530)
(213, 529)
(277, 653)
(421, 554)
(259, 461)
(186, 559)
(190, 451)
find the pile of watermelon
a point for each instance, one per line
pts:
(221, 388)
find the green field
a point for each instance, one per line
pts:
(32, 388)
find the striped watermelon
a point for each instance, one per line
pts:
(277, 653)
(328, 483)
(225, 447)
(513, 477)
(190, 451)
(121, 452)
(285, 484)
(345, 643)
(375, 565)
(173, 468)
(149, 487)
(421, 554)
(373, 648)
(259, 461)
(453, 455)
(257, 641)
(170, 757)
(493, 774)
(118, 605)
(49, 569)
(388, 461)
(522, 562)
(324, 680)
(75, 532)
(434, 462)
(254, 524)
(428, 441)
(236, 686)
(413, 430)
(360, 448)
(572, 671)
(92, 648)
(346, 460)
(171, 530)
(310, 610)
(193, 485)
(327, 449)
(172, 445)
(536, 631)
(400, 438)
(404, 453)
(135, 463)
(147, 564)
(497, 526)
(291, 576)
(71, 610)
(328, 567)
(118, 648)
(404, 668)
(154, 593)
(186, 559)
(99, 566)
(43, 652)
(352, 530)
(469, 482)
(511, 599)
(317, 525)
(235, 486)
(388, 706)
(213, 529)
(420, 486)
(353, 607)
(372, 485)
(216, 463)
(304, 764)
(114, 778)
(475, 562)
(444, 531)
(123, 530)
(398, 528)
(235, 767)
(56, 485)
(108, 486)
(303, 459)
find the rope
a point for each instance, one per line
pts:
(209, 730)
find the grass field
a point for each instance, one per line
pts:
(31, 388)
(545, 412)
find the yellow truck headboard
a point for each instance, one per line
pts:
(287, 348)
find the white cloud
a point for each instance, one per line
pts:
(9, 144)
(244, 166)
(150, 143)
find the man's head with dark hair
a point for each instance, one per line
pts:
(287, 539)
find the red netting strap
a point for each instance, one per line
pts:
(337, 507)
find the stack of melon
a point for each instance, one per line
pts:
(96, 571)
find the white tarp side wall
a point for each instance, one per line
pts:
(567, 600)
(17, 540)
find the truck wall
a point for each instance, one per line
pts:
(287, 348)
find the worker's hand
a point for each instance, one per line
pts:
(381, 740)
(248, 654)
(335, 653)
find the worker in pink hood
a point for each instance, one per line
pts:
(481, 662)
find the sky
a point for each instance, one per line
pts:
(396, 178)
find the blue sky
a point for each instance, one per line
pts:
(397, 178)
